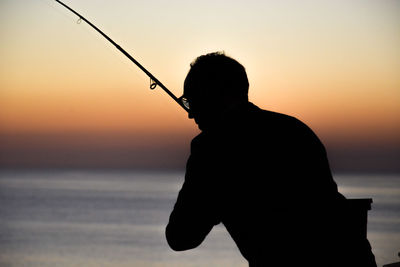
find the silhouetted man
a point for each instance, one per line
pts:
(264, 175)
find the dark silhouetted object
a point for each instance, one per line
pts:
(395, 264)
(265, 176)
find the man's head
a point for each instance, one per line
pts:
(215, 83)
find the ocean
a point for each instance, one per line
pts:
(96, 218)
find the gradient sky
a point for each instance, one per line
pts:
(69, 99)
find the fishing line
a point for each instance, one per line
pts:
(94, 38)
(154, 82)
(110, 49)
(56, 8)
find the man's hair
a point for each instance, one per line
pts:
(216, 74)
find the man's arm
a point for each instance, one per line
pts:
(196, 209)
(190, 221)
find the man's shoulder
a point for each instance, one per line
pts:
(273, 118)
(255, 121)
(283, 125)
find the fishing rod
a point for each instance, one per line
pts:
(153, 80)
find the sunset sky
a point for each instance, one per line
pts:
(68, 98)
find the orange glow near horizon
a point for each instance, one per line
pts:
(339, 74)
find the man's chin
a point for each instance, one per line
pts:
(201, 126)
(205, 126)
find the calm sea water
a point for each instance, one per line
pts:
(117, 219)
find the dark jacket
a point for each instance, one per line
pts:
(266, 177)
